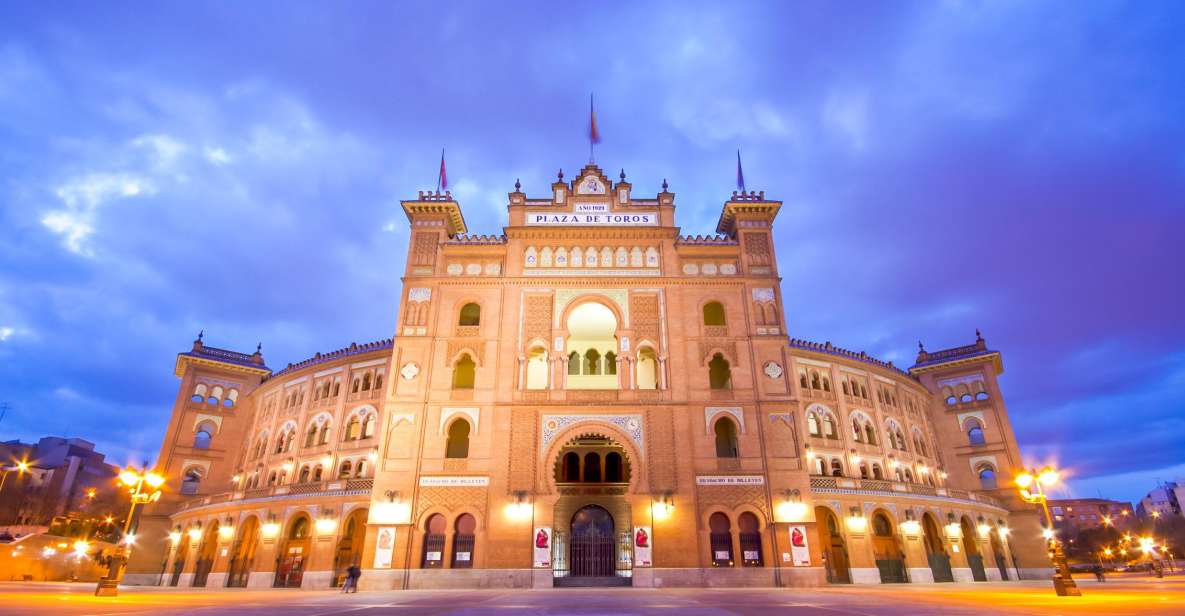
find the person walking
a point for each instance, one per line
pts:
(352, 574)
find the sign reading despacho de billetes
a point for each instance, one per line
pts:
(729, 480)
(640, 219)
(438, 481)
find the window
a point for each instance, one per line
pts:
(199, 393)
(360, 470)
(614, 472)
(726, 438)
(812, 424)
(574, 363)
(987, 478)
(876, 472)
(821, 467)
(975, 433)
(366, 382)
(611, 363)
(857, 433)
(303, 477)
(368, 425)
(721, 540)
(870, 434)
(537, 368)
(750, 539)
(829, 427)
(324, 433)
(191, 482)
(647, 369)
(592, 467)
(719, 373)
(592, 362)
(457, 445)
(836, 468)
(470, 315)
(318, 472)
(863, 471)
(464, 373)
(310, 437)
(343, 472)
(201, 438)
(571, 467)
(881, 526)
(713, 313)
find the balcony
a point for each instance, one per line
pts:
(333, 487)
(851, 485)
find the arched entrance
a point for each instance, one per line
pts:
(179, 559)
(998, 551)
(592, 543)
(349, 545)
(835, 552)
(206, 553)
(936, 554)
(886, 550)
(293, 554)
(242, 557)
(971, 547)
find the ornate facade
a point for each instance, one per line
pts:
(589, 398)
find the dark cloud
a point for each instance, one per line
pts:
(1012, 167)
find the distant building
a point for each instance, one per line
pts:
(1164, 499)
(66, 476)
(1073, 515)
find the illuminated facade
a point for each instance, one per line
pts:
(589, 398)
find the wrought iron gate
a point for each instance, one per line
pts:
(940, 567)
(593, 555)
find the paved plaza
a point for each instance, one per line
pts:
(1115, 598)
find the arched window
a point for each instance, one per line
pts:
(345, 469)
(201, 438)
(721, 540)
(750, 539)
(356, 386)
(611, 363)
(857, 433)
(310, 437)
(592, 467)
(360, 470)
(863, 471)
(574, 363)
(337, 388)
(821, 466)
(571, 467)
(537, 368)
(199, 393)
(909, 475)
(869, 434)
(191, 481)
(812, 424)
(726, 438)
(368, 425)
(470, 315)
(876, 472)
(271, 478)
(975, 433)
(353, 429)
(829, 427)
(303, 477)
(457, 445)
(324, 433)
(613, 467)
(881, 527)
(987, 478)
(647, 369)
(433, 542)
(378, 380)
(318, 472)
(463, 541)
(464, 373)
(719, 373)
(836, 468)
(713, 313)
(592, 362)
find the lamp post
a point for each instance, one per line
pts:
(144, 488)
(19, 467)
(1032, 490)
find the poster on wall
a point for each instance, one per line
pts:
(799, 549)
(542, 546)
(384, 546)
(642, 546)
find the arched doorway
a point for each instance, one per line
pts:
(349, 545)
(886, 550)
(293, 554)
(205, 557)
(936, 554)
(433, 554)
(592, 547)
(998, 551)
(464, 538)
(971, 547)
(835, 552)
(242, 557)
(179, 559)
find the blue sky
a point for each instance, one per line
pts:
(1013, 166)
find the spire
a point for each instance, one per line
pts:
(518, 187)
(622, 176)
(664, 185)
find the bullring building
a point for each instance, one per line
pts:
(590, 397)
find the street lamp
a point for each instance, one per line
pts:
(1032, 486)
(144, 488)
(19, 467)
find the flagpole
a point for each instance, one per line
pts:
(591, 119)
(438, 170)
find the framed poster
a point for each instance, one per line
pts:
(384, 546)
(800, 551)
(642, 546)
(542, 539)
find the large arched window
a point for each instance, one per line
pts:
(726, 438)
(203, 436)
(470, 315)
(987, 478)
(464, 535)
(713, 314)
(457, 445)
(975, 432)
(592, 339)
(750, 539)
(721, 539)
(191, 481)
(719, 373)
(464, 373)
